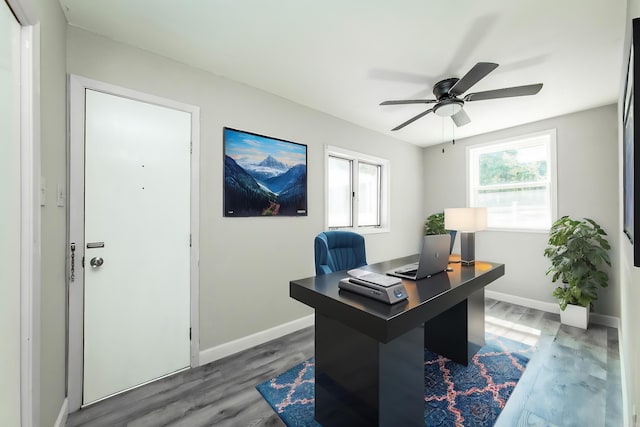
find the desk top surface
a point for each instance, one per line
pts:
(426, 298)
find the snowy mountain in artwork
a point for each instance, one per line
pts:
(267, 168)
(269, 186)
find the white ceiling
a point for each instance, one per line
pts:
(343, 57)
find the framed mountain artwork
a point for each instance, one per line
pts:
(631, 148)
(263, 176)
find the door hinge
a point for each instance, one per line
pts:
(189, 334)
(191, 147)
(189, 240)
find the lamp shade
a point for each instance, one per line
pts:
(465, 219)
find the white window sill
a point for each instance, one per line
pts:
(519, 230)
(363, 230)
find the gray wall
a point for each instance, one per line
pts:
(277, 250)
(232, 308)
(54, 171)
(587, 155)
(629, 275)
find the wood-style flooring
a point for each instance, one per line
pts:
(572, 380)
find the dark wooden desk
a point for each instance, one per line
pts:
(369, 355)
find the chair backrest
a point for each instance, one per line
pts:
(338, 250)
(453, 240)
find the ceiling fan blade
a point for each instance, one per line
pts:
(507, 92)
(409, 101)
(477, 73)
(461, 118)
(412, 119)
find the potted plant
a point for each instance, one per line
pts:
(435, 225)
(578, 251)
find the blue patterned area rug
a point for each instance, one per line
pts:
(455, 395)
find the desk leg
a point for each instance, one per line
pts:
(362, 382)
(458, 333)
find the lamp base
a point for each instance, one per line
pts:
(467, 248)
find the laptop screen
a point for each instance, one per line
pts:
(433, 259)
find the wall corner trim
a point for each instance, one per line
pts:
(61, 421)
(625, 380)
(223, 350)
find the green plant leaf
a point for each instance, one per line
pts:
(577, 251)
(435, 224)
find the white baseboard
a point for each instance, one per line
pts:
(625, 381)
(550, 307)
(227, 349)
(61, 421)
(604, 320)
(525, 302)
(216, 353)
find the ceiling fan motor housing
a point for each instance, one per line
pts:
(441, 89)
(448, 104)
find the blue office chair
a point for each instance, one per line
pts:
(453, 240)
(338, 250)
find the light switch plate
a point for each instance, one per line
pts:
(43, 191)
(60, 195)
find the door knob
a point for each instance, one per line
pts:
(96, 261)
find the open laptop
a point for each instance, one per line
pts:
(434, 258)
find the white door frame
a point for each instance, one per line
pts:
(30, 212)
(77, 88)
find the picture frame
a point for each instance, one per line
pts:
(263, 175)
(628, 152)
(631, 150)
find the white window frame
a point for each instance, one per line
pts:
(514, 142)
(385, 173)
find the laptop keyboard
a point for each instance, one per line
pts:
(411, 269)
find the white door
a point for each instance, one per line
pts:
(136, 243)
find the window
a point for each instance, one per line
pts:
(357, 190)
(515, 180)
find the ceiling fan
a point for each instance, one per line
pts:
(447, 92)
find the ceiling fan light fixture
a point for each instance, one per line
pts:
(448, 108)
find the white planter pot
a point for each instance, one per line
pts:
(575, 315)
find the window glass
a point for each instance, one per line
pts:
(368, 194)
(339, 192)
(515, 181)
(357, 191)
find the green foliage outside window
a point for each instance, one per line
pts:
(503, 167)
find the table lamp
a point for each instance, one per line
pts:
(466, 221)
